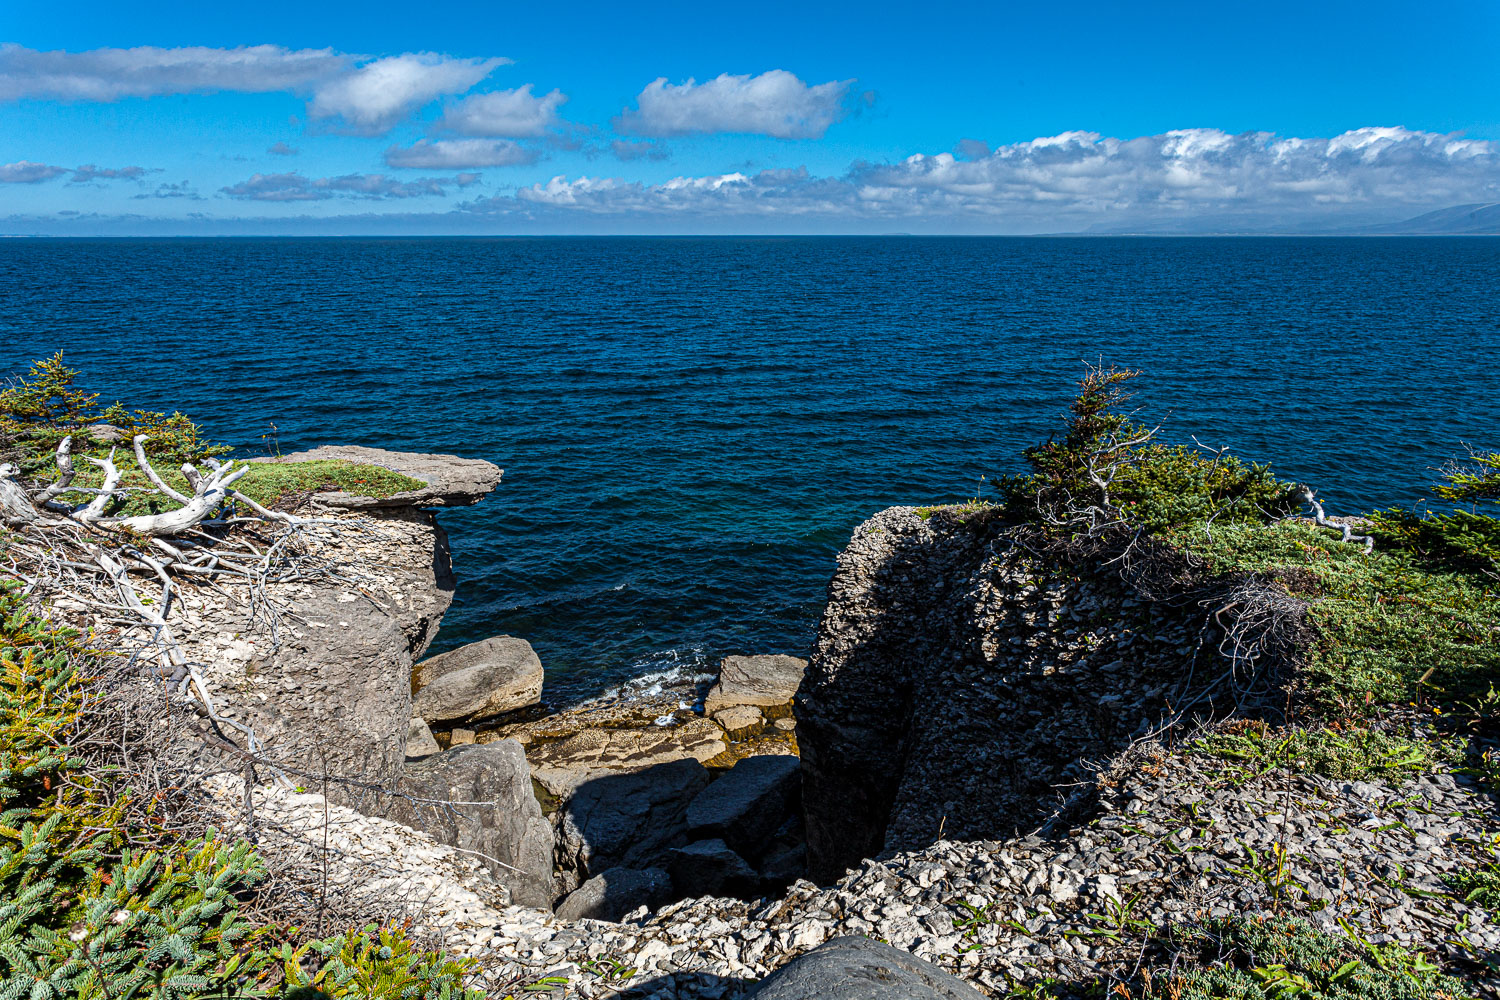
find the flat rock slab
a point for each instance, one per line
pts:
(614, 892)
(476, 681)
(857, 968)
(628, 819)
(563, 765)
(746, 805)
(755, 680)
(451, 481)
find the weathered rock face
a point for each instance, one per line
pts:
(479, 798)
(857, 968)
(476, 681)
(332, 673)
(755, 680)
(957, 683)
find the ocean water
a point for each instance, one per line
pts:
(690, 428)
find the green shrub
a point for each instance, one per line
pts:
(1265, 958)
(1462, 538)
(1150, 486)
(40, 408)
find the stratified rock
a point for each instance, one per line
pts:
(710, 868)
(614, 892)
(479, 798)
(562, 765)
(755, 680)
(746, 805)
(451, 481)
(628, 819)
(479, 680)
(857, 968)
(419, 741)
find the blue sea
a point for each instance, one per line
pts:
(690, 428)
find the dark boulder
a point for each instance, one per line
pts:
(857, 968)
(711, 868)
(628, 819)
(746, 805)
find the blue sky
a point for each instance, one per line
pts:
(461, 117)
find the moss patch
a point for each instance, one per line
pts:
(267, 483)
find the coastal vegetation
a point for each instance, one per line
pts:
(1356, 650)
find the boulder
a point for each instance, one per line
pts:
(858, 968)
(628, 819)
(755, 680)
(478, 798)
(477, 681)
(711, 868)
(614, 892)
(451, 481)
(419, 741)
(746, 805)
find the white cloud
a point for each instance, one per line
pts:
(451, 154)
(1078, 179)
(774, 103)
(504, 113)
(380, 94)
(282, 149)
(349, 92)
(295, 187)
(27, 172)
(148, 71)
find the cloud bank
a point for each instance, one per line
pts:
(774, 103)
(1074, 179)
(295, 187)
(27, 172)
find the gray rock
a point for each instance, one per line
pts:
(857, 968)
(710, 868)
(628, 819)
(615, 892)
(478, 798)
(419, 741)
(755, 680)
(746, 805)
(479, 680)
(451, 481)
